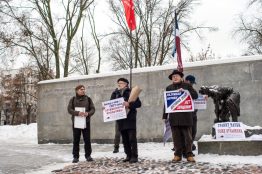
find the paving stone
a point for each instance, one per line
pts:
(145, 166)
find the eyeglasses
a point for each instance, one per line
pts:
(82, 89)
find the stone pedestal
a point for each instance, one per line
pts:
(242, 147)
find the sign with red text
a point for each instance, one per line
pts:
(178, 101)
(200, 103)
(114, 110)
(229, 130)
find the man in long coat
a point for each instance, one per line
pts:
(127, 126)
(181, 122)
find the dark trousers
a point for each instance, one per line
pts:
(117, 136)
(182, 139)
(87, 141)
(130, 142)
(194, 128)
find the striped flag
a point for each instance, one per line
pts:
(177, 49)
(130, 13)
(167, 131)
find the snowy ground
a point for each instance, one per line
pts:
(20, 153)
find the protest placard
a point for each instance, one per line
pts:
(200, 103)
(178, 101)
(229, 130)
(114, 110)
(79, 121)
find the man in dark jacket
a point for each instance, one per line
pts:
(81, 100)
(190, 79)
(127, 126)
(181, 122)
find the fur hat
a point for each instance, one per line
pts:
(176, 72)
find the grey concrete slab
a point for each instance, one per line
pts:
(243, 148)
(243, 74)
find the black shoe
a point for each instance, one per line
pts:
(133, 160)
(75, 160)
(116, 150)
(193, 147)
(89, 158)
(173, 149)
(127, 159)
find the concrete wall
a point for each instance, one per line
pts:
(54, 123)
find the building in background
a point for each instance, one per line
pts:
(18, 96)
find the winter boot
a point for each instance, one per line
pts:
(116, 149)
(176, 159)
(133, 160)
(127, 159)
(89, 158)
(75, 160)
(193, 147)
(191, 159)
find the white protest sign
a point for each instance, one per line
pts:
(229, 130)
(79, 121)
(200, 103)
(114, 110)
(178, 101)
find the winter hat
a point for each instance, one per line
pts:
(123, 80)
(176, 72)
(191, 79)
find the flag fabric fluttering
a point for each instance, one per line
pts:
(177, 49)
(130, 13)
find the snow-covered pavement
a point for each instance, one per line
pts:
(20, 153)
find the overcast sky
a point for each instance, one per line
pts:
(224, 15)
(217, 13)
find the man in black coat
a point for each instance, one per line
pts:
(181, 122)
(190, 79)
(81, 100)
(127, 126)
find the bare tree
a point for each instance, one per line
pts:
(204, 54)
(152, 40)
(250, 31)
(92, 23)
(82, 62)
(45, 31)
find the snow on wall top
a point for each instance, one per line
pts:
(156, 68)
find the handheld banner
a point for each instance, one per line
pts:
(178, 101)
(200, 103)
(114, 110)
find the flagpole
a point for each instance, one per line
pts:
(131, 62)
(131, 22)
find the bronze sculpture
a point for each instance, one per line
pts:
(226, 101)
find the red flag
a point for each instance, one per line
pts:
(130, 13)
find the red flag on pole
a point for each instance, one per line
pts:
(177, 49)
(130, 13)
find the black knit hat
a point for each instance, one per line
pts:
(176, 72)
(191, 79)
(123, 80)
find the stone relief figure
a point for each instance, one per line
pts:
(226, 101)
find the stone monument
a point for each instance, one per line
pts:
(229, 137)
